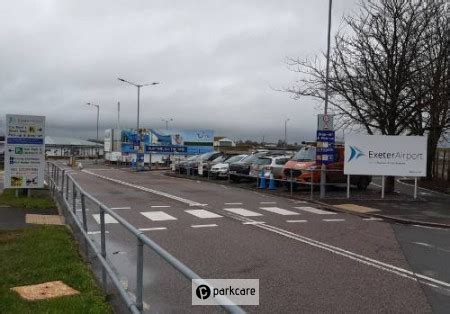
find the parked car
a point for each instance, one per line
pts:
(241, 169)
(305, 169)
(182, 166)
(221, 169)
(203, 158)
(269, 164)
(219, 159)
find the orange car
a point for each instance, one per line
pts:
(305, 169)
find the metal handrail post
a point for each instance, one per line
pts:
(140, 274)
(67, 188)
(74, 198)
(63, 174)
(103, 244)
(83, 213)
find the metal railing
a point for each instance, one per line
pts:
(59, 182)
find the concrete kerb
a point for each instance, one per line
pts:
(329, 206)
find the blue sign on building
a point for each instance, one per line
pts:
(325, 150)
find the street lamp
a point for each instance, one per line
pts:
(285, 132)
(167, 122)
(98, 113)
(138, 95)
(323, 179)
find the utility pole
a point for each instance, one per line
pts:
(285, 132)
(323, 179)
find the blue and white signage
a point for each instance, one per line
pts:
(325, 147)
(386, 155)
(165, 149)
(24, 151)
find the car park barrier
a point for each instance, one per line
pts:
(60, 181)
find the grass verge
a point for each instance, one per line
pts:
(39, 199)
(40, 254)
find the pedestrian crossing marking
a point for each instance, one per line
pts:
(108, 219)
(280, 211)
(243, 212)
(314, 210)
(333, 220)
(299, 220)
(201, 213)
(152, 229)
(204, 226)
(158, 216)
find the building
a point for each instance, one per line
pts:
(66, 146)
(223, 142)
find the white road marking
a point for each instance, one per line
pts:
(160, 193)
(204, 226)
(108, 219)
(152, 229)
(253, 222)
(80, 209)
(159, 206)
(299, 220)
(314, 210)
(96, 232)
(280, 211)
(243, 212)
(353, 256)
(373, 219)
(126, 207)
(201, 213)
(333, 220)
(423, 244)
(267, 202)
(233, 203)
(158, 216)
(198, 204)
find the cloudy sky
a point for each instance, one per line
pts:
(219, 63)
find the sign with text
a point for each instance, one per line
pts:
(165, 149)
(325, 147)
(386, 155)
(24, 151)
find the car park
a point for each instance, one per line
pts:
(269, 164)
(203, 158)
(241, 169)
(182, 166)
(303, 169)
(221, 169)
(222, 157)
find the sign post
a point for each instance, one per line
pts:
(25, 152)
(325, 147)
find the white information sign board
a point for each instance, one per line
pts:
(24, 151)
(385, 155)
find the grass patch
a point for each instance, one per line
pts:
(39, 199)
(40, 254)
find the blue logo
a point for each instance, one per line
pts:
(355, 153)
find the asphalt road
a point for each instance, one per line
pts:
(307, 259)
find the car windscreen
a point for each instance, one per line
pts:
(305, 154)
(251, 158)
(235, 159)
(263, 161)
(206, 155)
(219, 159)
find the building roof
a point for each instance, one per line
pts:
(68, 141)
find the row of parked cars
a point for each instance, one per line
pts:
(284, 166)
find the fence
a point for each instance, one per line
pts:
(68, 192)
(309, 183)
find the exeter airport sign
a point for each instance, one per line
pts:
(385, 155)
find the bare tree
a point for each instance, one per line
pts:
(378, 61)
